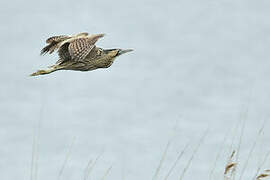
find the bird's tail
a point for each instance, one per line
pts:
(47, 71)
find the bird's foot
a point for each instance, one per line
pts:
(39, 72)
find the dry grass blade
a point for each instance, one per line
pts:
(261, 165)
(252, 149)
(161, 161)
(232, 144)
(35, 147)
(243, 117)
(33, 157)
(261, 176)
(66, 159)
(218, 155)
(176, 161)
(106, 173)
(90, 168)
(193, 154)
(230, 167)
(86, 169)
(234, 136)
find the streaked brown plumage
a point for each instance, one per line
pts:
(79, 53)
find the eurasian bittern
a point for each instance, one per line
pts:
(79, 53)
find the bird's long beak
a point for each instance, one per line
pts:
(123, 51)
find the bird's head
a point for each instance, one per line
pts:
(116, 52)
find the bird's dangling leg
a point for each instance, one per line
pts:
(47, 71)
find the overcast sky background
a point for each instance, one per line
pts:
(196, 65)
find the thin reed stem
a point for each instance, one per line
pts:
(261, 165)
(176, 161)
(193, 154)
(90, 168)
(66, 159)
(219, 154)
(252, 149)
(106, 173)
(161, 161)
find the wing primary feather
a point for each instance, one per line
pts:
(94, 38)
(49, 48)
(53, 43)
(57, 38)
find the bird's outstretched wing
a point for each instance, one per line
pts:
(53, 43)
(77, 49)
(81, 34)
(57, 38)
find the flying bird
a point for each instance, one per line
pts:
(79, 53)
